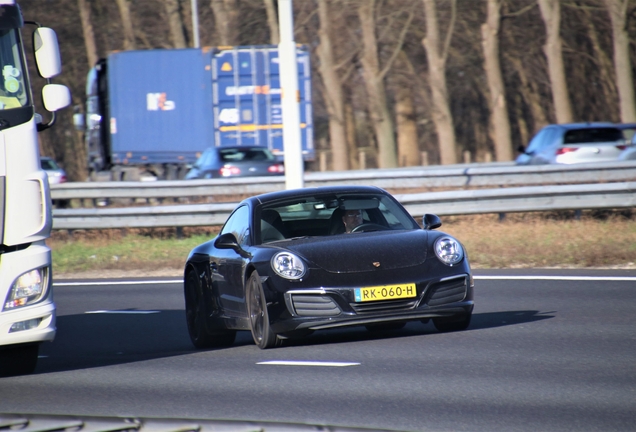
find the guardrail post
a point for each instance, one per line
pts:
(424, 158)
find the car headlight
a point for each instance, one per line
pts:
(27, 289)
(288, 265)
(448, 250)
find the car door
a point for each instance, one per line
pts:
(227, 265)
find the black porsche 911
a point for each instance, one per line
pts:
(288, 263)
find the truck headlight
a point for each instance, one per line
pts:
(27, 289)
(448, 250)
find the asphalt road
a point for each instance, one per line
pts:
(543, 352)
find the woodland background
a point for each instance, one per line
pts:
(405, 82)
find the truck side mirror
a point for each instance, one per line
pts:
(47, 52)
(55, 97)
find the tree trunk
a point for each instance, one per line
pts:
(376, 92)
(530, 96)
(405, 118)
(226, 21)
(333, 91)
(624, 79)
(441, 112)
(551, 13)
(272, 21)
(350, 128)
(87, 31)
(126, 21)
(175, 23)
(604, 63)
(499, 120)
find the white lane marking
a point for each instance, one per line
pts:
(139, 282)
(133, 312)
(563, 278)
(307, 363)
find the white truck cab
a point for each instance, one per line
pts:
(27, 310)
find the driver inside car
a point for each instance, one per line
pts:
(352, 219)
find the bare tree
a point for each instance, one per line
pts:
(87, 31)
(551, 13)
(499, 121)
(442, 116)
(226, 20)
(175, 23)
(126, 20)
(376, 92)
(272, 21)
(333, 90)
(624, 77)
(405, 116)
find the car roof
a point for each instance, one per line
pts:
(292, 193)
(572, 126)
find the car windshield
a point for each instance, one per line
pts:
(323, 215)
(592, 135)
(49, 164)
(247, 154)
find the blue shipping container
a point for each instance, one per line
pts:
(160, 105)
(168, 106)
(247, 98)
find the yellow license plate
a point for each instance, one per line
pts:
(386, 292)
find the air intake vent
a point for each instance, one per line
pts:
(314, 305)
(447, 292)
(383, 306)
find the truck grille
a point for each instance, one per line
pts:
(314, 305)
(447, 292)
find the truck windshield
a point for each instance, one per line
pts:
(13, 92)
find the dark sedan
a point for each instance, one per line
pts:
(220, 162)
(288, 263)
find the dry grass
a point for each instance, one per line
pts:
(597, 239)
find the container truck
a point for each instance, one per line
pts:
(155, 111)
(27, 311)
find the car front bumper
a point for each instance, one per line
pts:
(324, 308)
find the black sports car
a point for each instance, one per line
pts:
(288, 263)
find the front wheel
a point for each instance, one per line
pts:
(196, 316)
(262, 333)
(19, 359)
(453, 324)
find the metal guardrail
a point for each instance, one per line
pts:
(429, 177)
(502, 200)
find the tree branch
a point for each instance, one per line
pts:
(398, 47)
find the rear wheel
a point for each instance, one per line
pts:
(19, 359)
(196, 317)
(452, 324)
(262, 333)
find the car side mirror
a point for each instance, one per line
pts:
(228, 241)
(521, 149)
(431, 221)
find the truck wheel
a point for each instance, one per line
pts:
(19, 359)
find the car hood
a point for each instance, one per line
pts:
(359, 252)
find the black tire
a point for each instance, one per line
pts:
(196, 316)
(453, 324)
(19, 359)
(388, 326)
(262, 333)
